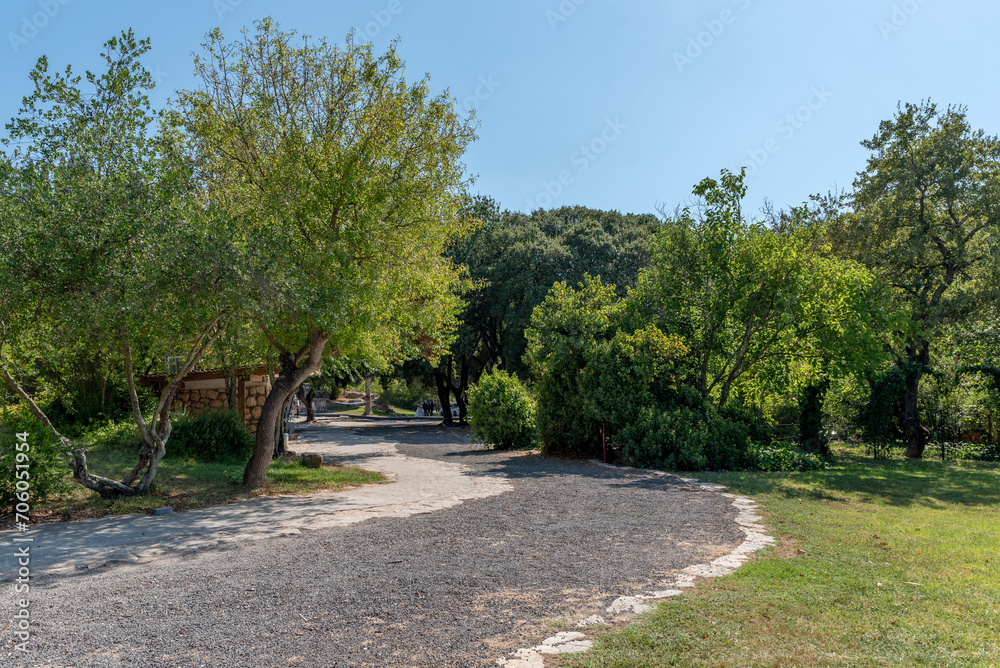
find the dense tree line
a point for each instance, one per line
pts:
(847, 294)
(512, 260)
(306, 205)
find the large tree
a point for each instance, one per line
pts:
(103, 238)
(925, 216)
(512, 260)
(346, 181)
(753, 300)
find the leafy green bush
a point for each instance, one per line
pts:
(48, 463)
(783, 456)
(663, 440)
(75, 409)
(123, 436)
(565, 427)
(502, 412)
(628, 372)
(565, 327)
(684, 439)
(212, 436)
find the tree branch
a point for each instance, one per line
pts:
(32, 406)
(270, 337)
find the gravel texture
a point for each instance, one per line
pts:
(458, 587)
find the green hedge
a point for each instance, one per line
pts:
(685, 439)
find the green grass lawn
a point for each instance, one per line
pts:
(186, 483)
(892, 563)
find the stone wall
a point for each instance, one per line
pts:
(195, 401)
(254, 405)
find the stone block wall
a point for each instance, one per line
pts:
(195, 401)
(254, 404)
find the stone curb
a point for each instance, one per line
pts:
(574, 642)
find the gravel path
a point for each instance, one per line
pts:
(456, 587)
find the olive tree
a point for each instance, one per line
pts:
(104, 236)
(346, 182)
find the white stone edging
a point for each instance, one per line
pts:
(625, 606)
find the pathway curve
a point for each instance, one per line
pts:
(489, 552)
(419, 485)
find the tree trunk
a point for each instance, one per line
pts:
(307, 402)
(232, 386)
(289, 378)
(368, 394)
(811, 419)
(461, 389)
(916, 434)
(282, 427)
(443, 395)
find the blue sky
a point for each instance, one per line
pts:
(615, 105)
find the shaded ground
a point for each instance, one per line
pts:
(457, 587)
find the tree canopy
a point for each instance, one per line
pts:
(925, 217)
(754, 302)
(345, 182)
(104, 237)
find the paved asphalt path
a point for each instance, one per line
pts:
(457, 586)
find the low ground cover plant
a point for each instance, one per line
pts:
(783, 456)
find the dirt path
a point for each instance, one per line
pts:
(491, 552)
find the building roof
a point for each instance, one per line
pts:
(208, 374)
